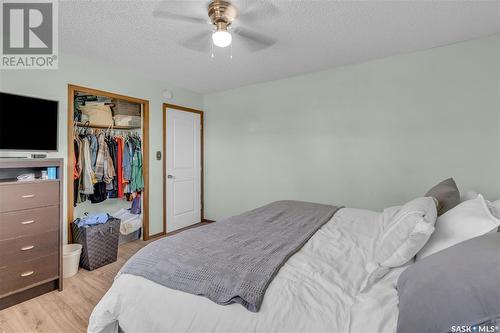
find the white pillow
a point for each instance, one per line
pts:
(468, 196)
(469, 219)
(495, 208)
(405, 232)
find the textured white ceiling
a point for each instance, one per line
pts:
(312, 35)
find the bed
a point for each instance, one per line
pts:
(326, 284)
(317, 290)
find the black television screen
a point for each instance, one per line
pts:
(27, 123)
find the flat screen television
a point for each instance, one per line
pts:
(27, 123)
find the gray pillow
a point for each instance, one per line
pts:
(447, 195)
(459, 286)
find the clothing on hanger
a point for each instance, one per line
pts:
(137, 178)
(107, 165)
(99, 194)
(119, 166)
(89, 178)
(94, 148)
(101, 157)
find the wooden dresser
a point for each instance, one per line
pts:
(30, 231)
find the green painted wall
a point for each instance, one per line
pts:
(370, 135)
(52, 84)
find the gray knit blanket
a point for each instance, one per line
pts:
(232, 260)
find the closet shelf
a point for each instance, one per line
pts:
(79, 124)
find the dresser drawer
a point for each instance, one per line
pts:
(28, 222)
(25, 196)
(15, 250)
(26, 273)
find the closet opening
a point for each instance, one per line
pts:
(108, 159)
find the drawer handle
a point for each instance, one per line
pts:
(28, 273)
(26, 248)
(27, 196)
(28, 222)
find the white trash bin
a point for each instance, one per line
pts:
(71, 259)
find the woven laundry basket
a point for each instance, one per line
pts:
(100, 243)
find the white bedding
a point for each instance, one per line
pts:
(315, 291)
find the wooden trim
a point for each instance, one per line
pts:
(145, 151)
(158, 235)
(164, 168)
(207, 221)
(145, 174)
(181, 108)
(202, 195)
(93, 91)
(71, 152)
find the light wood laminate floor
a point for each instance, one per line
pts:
(67, 311)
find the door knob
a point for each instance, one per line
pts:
(170, 177)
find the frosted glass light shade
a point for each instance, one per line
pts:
(222, 38)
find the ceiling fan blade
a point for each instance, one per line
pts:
(254, 41)
(200, 42)
(258, 10)
(179, 17)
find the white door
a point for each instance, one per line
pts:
(183, 169)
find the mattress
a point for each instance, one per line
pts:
(317, 290)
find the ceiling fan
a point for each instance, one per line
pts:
(222, 15)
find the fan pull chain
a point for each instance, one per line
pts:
(212, 56)
(231, 51)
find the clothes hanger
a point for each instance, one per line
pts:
(109, 130)
(84, 128)
(75, 129)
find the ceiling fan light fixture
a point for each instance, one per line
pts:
(222, 38)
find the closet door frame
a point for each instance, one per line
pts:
(167, 106)
(145, 152)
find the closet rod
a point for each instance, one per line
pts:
(80, 124)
